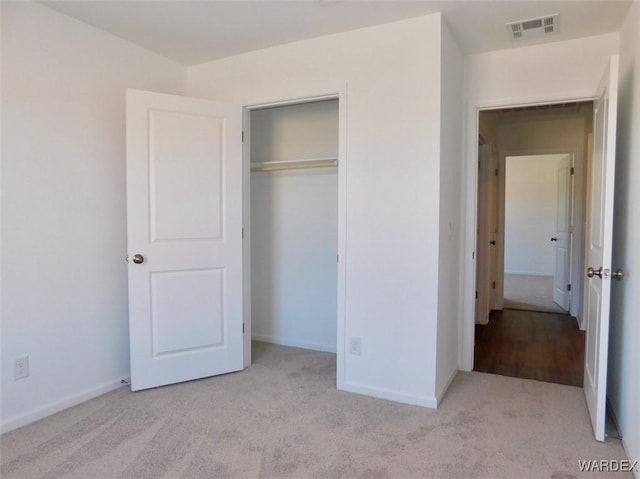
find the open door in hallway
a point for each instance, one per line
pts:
(562, 237)
(599, 248)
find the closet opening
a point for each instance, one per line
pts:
(291, 210)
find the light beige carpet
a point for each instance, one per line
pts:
(530, 293)
(284, 418)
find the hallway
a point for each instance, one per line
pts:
(532, 345)
(530, 293)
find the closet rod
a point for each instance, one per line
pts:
(294, 164)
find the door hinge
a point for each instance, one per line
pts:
(493, 285)
(242, 328)
(573, 170)
(337, 258)
(242, 233)
(476, 295)
(496, 171)
(568, 287)
(243, 136)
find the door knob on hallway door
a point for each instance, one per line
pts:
(138, 259)
(594, 272)
(617, 274)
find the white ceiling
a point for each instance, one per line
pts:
(193, 32)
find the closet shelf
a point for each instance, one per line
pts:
(294, 164)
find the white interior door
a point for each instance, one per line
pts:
(562, 238)
(184, 209)
(599, 249)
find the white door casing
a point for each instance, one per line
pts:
(496, 262)
(562, 235)
(497, 292)
(184, 217)
(483, 237)
(599, 248)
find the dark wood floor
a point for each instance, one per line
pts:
(525, 344)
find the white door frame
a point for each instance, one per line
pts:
(340, 95)
(484, 295)
(467, 328)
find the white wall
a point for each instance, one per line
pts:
(558, 70)
(64, 276)
(389, 76)
(450, 215)
(624, 353)
(295, 132)
(531, 198)
(541, 73)
(294, 227)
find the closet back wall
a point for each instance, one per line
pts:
(294, 227)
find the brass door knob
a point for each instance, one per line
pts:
(138, 259)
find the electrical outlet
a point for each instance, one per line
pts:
(21, 368)
(355, 346)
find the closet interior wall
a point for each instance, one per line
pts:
(294, 225)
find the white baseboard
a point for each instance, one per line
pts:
(57, 406)
(636, 470)
(425, 401)
(441, 394)
(327, 348)
(529, 273)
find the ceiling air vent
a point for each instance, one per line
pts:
(534, 27)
